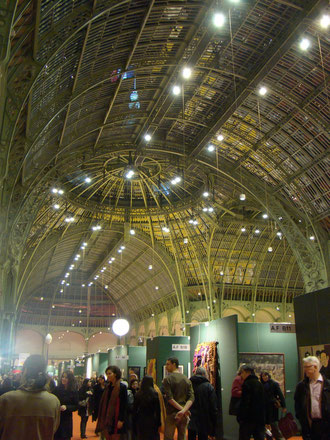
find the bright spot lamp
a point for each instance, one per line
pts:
(176, 90)
(242, 197)
(48, 339)
(218, 19)
(186, 72)
(304, 44)
(263, 91)
(325, 21)
(132, 232)
(220, 138)
(88, 180)
(211, 147)
(147, 137)
(312, 237)
(120, 327)
(205, 194)
(270, 249)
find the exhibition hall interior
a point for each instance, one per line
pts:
(164, 187)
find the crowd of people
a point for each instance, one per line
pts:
(36, 406)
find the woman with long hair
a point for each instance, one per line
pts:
(67, 394)
(146, 411)
(112, 411)
(84, 396)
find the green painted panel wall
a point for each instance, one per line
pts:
(103, 363)
(118, 356)
(95, 363)
(137, 356)
(224, 331)
(257, 338)
(160, 348)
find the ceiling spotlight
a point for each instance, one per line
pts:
(56, 206)
(263, 91)
(220, 137)
(186, 72)
(187, 311)
(199, 294)
(122, 247)
(60, 192)
(165, 229)
(243, 229)
(176, 180)
(42, 298)
(205, 209)
(132, 231)
(265, 215)
(206, 194)
(304, 44)
(83, 285)
(53, 307)
(150, 267)
(129, 174)
(312, 237)
(88, 180)
(221, 273)
(210, 209)
(96, 228)
(54, 190)
(119, 251)
(242, 197)
(185, 240)
(156, 288)
(253, 314)
(176, 90)
(270, 249)
(290, 316)
(257, 231)
(106, 286)
(112, 258)
(85, 244)
(195, 222)
(69, 219)
(280, 218)
(147, 137)
(211, 147)
(325, 21)
(79, 311)
(277, 308)
(279, 234)
(218, 19)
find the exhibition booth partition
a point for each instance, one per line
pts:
(221, 346)
(130, 359)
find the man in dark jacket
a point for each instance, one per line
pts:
(204, 409)
(312, 402)
(251, 412)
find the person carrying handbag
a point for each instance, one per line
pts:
(84, 396)
(274, 400)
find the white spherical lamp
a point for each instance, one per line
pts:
(120, 327)
(48, 339)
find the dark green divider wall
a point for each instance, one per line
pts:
(160, 348)
(257, 338)
(137, 358)
(125, 356)
(224, 331)
(312, 316)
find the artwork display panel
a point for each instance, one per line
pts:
(134, 371)
(322, 352)
(273, 363)
(206, 356)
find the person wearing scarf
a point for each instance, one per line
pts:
(30, 412)
(112, 410)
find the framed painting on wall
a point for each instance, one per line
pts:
(322, 352)
(134, 371)
(273, 363)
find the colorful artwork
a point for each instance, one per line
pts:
(273, 363)
(322, 352)
(134, 373)
(206, 356)
(151, 369)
